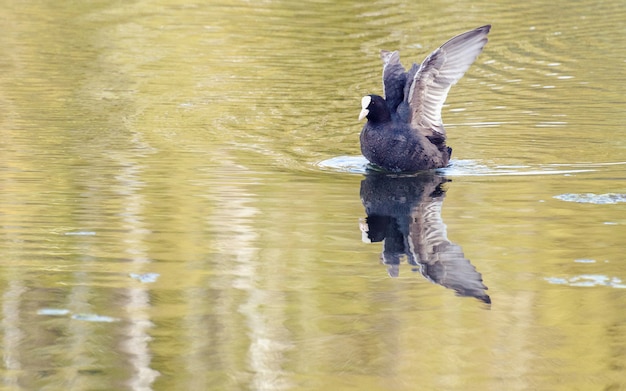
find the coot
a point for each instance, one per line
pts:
(404, 131)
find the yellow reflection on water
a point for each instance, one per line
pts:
(183, 141)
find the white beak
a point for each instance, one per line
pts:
(364, 231)
(365, 102)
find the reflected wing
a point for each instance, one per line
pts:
(442, 261)
(449, 267)
(440, 71)
(394, 79)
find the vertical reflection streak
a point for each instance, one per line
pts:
(137, 302)
(11, 332)
(263, 308)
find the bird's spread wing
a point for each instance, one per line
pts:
(394, 79)
(428, 88)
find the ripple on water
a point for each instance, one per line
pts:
(360, 165)
(84, 317)
(588, 280)
(591, 198)
(350, 164)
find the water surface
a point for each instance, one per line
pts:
(183, 200)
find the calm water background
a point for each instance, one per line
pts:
(180, 198)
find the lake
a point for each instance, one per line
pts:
(184, 204)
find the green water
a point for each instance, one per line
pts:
(181, 205)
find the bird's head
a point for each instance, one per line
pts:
(374, 108)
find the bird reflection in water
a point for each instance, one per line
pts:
(404, 212)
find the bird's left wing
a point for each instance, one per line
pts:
(394, 79)
(431, 82)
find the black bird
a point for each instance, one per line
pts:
(404, 131)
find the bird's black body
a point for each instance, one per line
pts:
(393, 144)
(404, 131)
